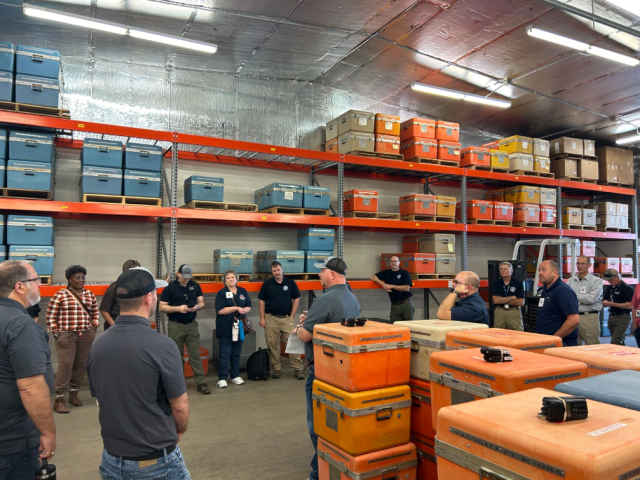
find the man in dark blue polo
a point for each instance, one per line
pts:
(470, 307)
(508, 296)
(136, 375)
(557, 307)
(397, 283)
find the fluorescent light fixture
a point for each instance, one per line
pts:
(583, 47)
(632, 6)
(627, 126)
(626, 140)
(80, 21)
(445, 92)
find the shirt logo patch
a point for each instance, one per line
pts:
(399, 276)
(229, 295)
(191, 287)
(241, 297)
(285, 288)
(513, 289)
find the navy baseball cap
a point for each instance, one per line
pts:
(137, 282)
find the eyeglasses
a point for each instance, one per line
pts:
(582, 263)
(37, 279)
(456, 282)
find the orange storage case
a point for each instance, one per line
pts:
(418, 262)
(387, 144)
(602, 264)
(503, 211)
(603, 358)
(411, 244)
(448, 150)
(419, 148)
(526, 212)
(490, 337)
(447, 131)
(459, 376)
(547, 214)
(427, 466)
(421, 419)
(502, 438)
(418, 204)
(477, 210)
(626, 265)
(475, 156)
(446, 206)
(375, 355)
(331, 146)
(387, 124)
(397, 462)
(204, 358)
(362, 422)
(418, 128)
(360, 201)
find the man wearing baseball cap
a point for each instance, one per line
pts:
(181, 300)
(109, 307)
(136, 375)
(618, 300)
(335, 304)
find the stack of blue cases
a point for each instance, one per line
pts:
(101, 167)
(317, 243)
(204, 189)
(279, 195)
(31, 161)
(143, 170)
(316, 197)
(37, 74)
(7, 59)
(31, 238)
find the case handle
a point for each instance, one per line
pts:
(490, 474)
(29, 226)
(327, 352)
(388, 411)
(143, 180)
(31, 143)
(103, 149)
(32, 258)
(291, 259)
(419, 405)
(322, 238)
(385, 475)
(144, 153)
(103, 178)
(415, 347)
(37, 58)
(317, 194)
(29, 172)
(208, 185)
(36, 87)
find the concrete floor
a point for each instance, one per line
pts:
(246, 432)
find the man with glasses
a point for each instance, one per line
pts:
(588, 289)
(470, 307)
(397, 283)
(27, 429)
(109, 307)
(508, 296)
(557, 307)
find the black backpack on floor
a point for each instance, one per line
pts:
(258, 365)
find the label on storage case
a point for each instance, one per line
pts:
(362, 143)
(423, 127)
(425, 148)
(608, 429)
(525, 162)
(525, 144)
(426, 204)
(362, 121)
(450, 248)
(288, 195)
(449, 131)
(543, 147)
(366, 201)
(388, 125)
(504, 211)
(331, 419)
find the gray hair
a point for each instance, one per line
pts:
(505, 263)
(12, 272)
(231, 271)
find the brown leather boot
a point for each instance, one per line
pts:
(59, 406)
(73, 399)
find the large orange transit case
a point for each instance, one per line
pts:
(418, 204)
(387, 144)
(448, 151)
(526, 212)
(374, 355)
(421, 419)
(475, 156)
(419, 148)
(418, 262)
(427, 467)
(362, 422)
(503, 211)
(417, 127)
(460, 376)
(476, 210)
(448, 131)
(502, 438)
(361, 201)
(392, 463)
(387, 124)
(529, 342)
(603, 358)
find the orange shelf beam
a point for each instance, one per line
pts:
(81, 210)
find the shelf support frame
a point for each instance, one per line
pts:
(463, 219)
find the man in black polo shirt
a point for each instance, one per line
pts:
(181, 300)
(508, 296)
(618, 300)
(470, 307)
(136, 375)
(279, 300)
(397, 283)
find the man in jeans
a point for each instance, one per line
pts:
(181, 300)
(136, 375)
(335, 304)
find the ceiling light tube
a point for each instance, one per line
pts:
(445, 92)
(80, 21)
(626, 140)
(583, 47)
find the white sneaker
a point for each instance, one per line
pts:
(222, 384)
(237, 381)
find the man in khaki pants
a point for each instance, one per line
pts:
(588, 289)
(508, 297)
(279, 300)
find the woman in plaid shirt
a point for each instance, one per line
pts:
(72, 317)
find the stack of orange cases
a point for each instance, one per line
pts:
(491, 337)
(412, 262)
(526, 212)
(604, 358)
(479, 156)
(360, 201)
(387, 132)
(476, 210)
(418, 139)
(427, 337)
(361, 401)
(503, 211)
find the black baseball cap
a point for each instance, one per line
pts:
(610, 273)
(185, 270)
(333, 263)
(137, 282)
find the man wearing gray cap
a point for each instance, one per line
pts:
(618, 300)
(181, 300)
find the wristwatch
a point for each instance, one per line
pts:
(453, 290)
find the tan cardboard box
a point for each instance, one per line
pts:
(541, 164)
(588, 169)
(571, 216)
(520, 161)
(603, 208)
(567, 145)
(438, 243)
(356, 121)
(332, 129)
(626, 157)
(522, 194)
(609, 155)
(622, 209)
(589, 148)
(547, 196)
(625, 175)
(608, 221)
(588, 217)
(564, 167)
(608, 172)
(352, 141)
(445, 264)
(541, 147)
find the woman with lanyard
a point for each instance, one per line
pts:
(231, 302)
(72, 317)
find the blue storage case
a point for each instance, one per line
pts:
(139, 183)
(316, 239)
(102, 181)
(7, 57)
(3, 173)
(279, 195)
(101, 153)
(311, 258)
(3, 253)
(6, 87)
(292, 260)
(35, 147)
(29, 230)
(41, 257)
(207, 189)
(616, 388)
(3, 144)
(38, 62)
(2, 229)
(316, 197)
(44, 92)
(239, 260)
(29, 175)
(140, 156)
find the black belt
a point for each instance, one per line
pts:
(182, 323)
(279, 316)
(591, 311)
(510, 307)
(401, 302)
(152, 456)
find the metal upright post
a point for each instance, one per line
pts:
(463, 219)
(559, 225)
(174, 206)
(341, 207)
(634, 229)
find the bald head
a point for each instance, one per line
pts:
(548, 272)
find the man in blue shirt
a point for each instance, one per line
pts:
(558, 306)
(397, 283)
(470, 307)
